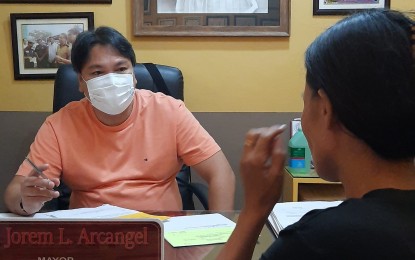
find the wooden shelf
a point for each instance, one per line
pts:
(301, 187)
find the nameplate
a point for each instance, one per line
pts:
(74, 239)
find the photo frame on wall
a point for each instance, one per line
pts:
(193, 21)
(41, 42)
(167, 21)
(245, 20)
(344, 7)
(147, 7)
(55, 1)
(212, 20)
(217, 20)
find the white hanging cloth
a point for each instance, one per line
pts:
(216, 6)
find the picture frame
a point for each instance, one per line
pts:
(37, 40)
(344, 7)
(217, 20)
(55, 1)
(269, 22)
(193, 21)
(167, 22)
(147, 7)
(211, 22)
(245, 20)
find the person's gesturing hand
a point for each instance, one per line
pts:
(261, 168)
(35, 191)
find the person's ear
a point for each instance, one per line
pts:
(135, 80)
(329, 118)
(82, 84)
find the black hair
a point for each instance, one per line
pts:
(85, 41)
(364, 64)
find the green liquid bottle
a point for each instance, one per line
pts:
(299, 154)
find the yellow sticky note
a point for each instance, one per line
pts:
(145, 215)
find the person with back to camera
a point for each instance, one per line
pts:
(119, 145)
(359, 120)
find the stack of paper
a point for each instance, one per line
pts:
(196, 230)
(287, 213)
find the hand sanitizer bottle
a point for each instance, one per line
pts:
(299, 153)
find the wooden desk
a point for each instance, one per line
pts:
(207, 252)
(302, 187)
(212, 251)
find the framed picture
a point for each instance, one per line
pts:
(245, 20)
(56, 1)
(217, 20)
(341, 7)
(269, 22)
(167, 22)
(239, 19)
(42, 41)
(147, 9)
(193, 21)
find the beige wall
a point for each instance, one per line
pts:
(221, 74)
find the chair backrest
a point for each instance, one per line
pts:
(66, 89)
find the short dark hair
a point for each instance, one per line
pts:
(85, 41)
(364, 63)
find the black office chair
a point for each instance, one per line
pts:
(66, 90)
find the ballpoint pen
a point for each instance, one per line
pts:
(39, 171)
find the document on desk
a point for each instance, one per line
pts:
(104, 211)
(198, 230)
(287, 213)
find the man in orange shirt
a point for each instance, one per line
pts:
(119, 145)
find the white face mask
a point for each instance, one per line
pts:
(111, 93)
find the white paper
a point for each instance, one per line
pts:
(186, 223)
(287, 213)
(10, 215)
(104, 211)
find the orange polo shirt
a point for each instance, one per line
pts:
(132, 165)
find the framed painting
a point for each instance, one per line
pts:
(41, 42)
(146, 6)
(245, 20)
(341, 7)
(218, 19)
(193, 20)
(167, 21)
(55, 1)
